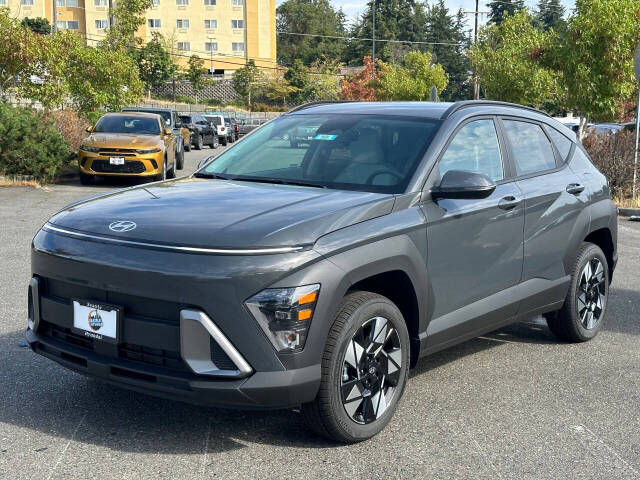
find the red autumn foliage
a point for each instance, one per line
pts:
(358, 87)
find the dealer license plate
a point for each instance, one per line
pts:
(96, 320)
(116, 160)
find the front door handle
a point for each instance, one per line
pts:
(508, 202)
(575, 188)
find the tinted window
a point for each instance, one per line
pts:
(185, 118)
(215, 120)
(475, 148)
(166, 115)
(356, 152)
(531, 148)
(562, 143)
(127, 124)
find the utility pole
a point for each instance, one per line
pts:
(54, 27)
(211, 69)
(476, 13)
(373, 56)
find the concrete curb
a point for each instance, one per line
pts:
(629, 212)
(62, 178)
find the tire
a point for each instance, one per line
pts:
(179, 161)
(224, 142)
(163, 174)
(187, 147)
(214, 142)
(86, 179)
(583, 313)
(360, 314)
(198, 143)
(172, 173)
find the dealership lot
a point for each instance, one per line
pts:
(513, 404)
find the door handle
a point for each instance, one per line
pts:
(508, 202)
(575, 188)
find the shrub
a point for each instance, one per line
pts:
(263, 107)
(613, 155)
(185, 99)
(71, 126)
(30, 144)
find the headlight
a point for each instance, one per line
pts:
(285, 314)
(88, 148)
(144, 151)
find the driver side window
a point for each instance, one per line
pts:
(475, 148)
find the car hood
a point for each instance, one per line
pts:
(226, 214)
(121, 140)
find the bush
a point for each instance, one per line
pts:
(71, 126)
(185, 99)
(30, 144)
(613, 155)
(263, 107)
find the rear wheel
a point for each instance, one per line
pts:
(214, 142)
(224, 141)
(365, 366)
(197, 144)
(187, 147)
(582, 315)
(179, 161)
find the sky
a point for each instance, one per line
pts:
(353, 8)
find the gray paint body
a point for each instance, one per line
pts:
(472, 265)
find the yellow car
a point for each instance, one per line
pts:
(128, 144)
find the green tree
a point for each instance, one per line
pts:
(444, 29)
(324, 81)
(499, 9)
(549, 14)
(298, 77)
(314, 17)
(277, 88)
(513, 62)
(413, 81)
(155, 65)
(17, 50)
(246, 79)
(195, 74)
(37, 25)
(128, 17)
(402, 20)
(597, 57)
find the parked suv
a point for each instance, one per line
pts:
(219, 124)
(317, 276)
(173, 122)
(202, 132)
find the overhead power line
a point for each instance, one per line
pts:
(369, 39)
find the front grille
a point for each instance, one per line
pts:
(152, 356)
(103, 166)
(126, 152)
(64, 335)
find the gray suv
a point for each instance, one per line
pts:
(316, 276)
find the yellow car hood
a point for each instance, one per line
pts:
(122, 140)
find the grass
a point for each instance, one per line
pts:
(8, 182)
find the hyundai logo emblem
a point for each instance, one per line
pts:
(122, 226)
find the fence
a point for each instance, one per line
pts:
(191, 108)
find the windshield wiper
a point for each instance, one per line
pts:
(280, 181)
(212, 175)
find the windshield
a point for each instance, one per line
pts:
(214, 120)
(185, 118)
(165, 114)
(355, 152)
(127, 124)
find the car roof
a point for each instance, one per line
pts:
(133, 114)
(147, 109)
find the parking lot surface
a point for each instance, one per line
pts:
(513, 404)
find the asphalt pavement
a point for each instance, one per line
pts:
(513, 404)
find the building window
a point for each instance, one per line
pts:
(3, 2)
(211, 46)
(155, 3)
(67, 24)
(100, 3)
(184, 46)
(102, 24)
(209, 3)
(182, 3)
(237, 23)
(67, 3)
(237, 3)
(26, 3)
(154, 23)
(237, 46)
(210, 24)
(182, 23)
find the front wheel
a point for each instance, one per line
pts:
(364, 370)
(179, 160)
(224, 142)
(198, 142)
(582, 315)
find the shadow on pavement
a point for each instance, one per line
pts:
(43, 396)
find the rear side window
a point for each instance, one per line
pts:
(475, 148)
(531, 148)
(562, 143)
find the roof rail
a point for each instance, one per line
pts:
(316, 103)
(480, 103)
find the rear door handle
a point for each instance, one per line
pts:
(508, 202)
(575, 188)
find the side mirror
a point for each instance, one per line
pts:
(89, 129)
(167, 131)
(463, 184)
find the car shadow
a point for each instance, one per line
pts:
(43, 396)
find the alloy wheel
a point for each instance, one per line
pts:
(591, 293)
(371, 370)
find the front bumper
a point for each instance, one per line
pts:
(135, 165)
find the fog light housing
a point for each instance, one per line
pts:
(285, 314)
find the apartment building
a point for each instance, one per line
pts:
(224, 33)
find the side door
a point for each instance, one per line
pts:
(556, 220)
(475, 250)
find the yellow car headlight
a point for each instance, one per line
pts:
(143, 151)
(88, 148)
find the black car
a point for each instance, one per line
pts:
(172, 119)
(316, 276)
(202, 133)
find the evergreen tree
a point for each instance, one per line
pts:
(549, 15)
(403, 20)
(501, 8)
(37, 25)
(446, 28)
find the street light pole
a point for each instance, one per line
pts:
(476, 87)
(373, 56)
